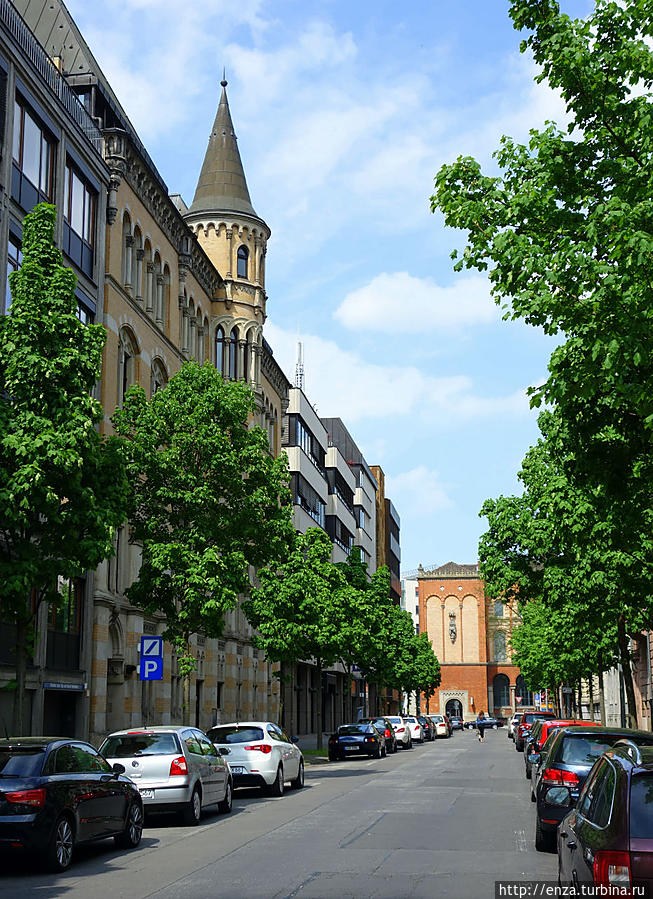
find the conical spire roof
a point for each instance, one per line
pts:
(222, 186)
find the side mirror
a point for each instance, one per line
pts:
(534, 758)
(558, 796)
(117, 768)
(294, 739)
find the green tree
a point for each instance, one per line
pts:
(427, 674)
(208, 501)
(63, 488)
(298, 608)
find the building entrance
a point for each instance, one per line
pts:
(60, 713)
(454, 708)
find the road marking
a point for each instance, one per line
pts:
(520, 841)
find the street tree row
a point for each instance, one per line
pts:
(207, 504)
(565, 233)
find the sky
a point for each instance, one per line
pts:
(345, 112)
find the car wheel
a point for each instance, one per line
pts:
(276, 787)
(533, 797)
(529, 773)
(298, 782)
(543, 840)
(332, 756)
(377, 753)
(519, 747)
(227, 802)
(60, 848)
(384, 752)
(410, 743)
(193, 812)
(131, 835)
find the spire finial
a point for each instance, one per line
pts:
(224, 77)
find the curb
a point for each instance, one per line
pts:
(316, 760)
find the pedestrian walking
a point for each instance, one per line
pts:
(480, 727)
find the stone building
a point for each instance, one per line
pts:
(470, 635)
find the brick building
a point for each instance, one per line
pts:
(470, 635)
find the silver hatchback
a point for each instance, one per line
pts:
(175, 769)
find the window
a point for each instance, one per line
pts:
(500, 646)
(243, 257)
(522, 690)
(233, 354)
(219, 350)
(246, 360)
(127, 363)
(309, 500)
(65, 615)
(14, 260)
(80, 201)
(192, 744)
(498, 608)
(641, 806)
(501, 691)
(159, 376)
(599, 813)
(33, 152)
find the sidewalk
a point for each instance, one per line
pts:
(308, 742)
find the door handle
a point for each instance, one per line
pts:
(571, 844)
(563, 833)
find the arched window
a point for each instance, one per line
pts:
(127, 251)
(127, 352)
(522, 690)
(219, 349)
(159, 376)
(498, 608)
(501, 691)
(233, 354)
(247, 355)
(243, 257)
(500, 646)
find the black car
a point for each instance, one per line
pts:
(384, 725)
(456, 723)
(356, 739)
(568, 760)
(607, 840)
(56, 793)
(430, 732)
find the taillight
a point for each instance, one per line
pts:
(611, 868)
(265, 748)
(400, 730)
(369, 739)
(560, 778)
(387, 733)
(178, 766)
(35, 798)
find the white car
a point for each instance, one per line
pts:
(514, 721)
(416, 729)
(260, 754)
(441, 729)
(402, 731)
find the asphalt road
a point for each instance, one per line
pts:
(444, 819)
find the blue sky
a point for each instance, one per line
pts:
(344, 113)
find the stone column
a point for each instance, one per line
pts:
(184, 331)
(159, 299)
(192, 343)
(254, 272)
(129, 250)
(258, 352)
(240, 365)
(149, 289)
(229, 236)
(513, 704)
(140, 253)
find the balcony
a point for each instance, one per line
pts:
(300, 462)
(395, 548)
(337, 507)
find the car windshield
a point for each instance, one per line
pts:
(349, 729)
(641, 807)
(577, 749)
(395, 720)
(235, 734)
(411, 720)
(124, 746)
(21, 762)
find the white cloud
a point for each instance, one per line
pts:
(401, 303)
(419, 490)
(341, 383)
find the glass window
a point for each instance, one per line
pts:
(601, 806)
(22, 762)
(234, 734)
(577, 749)
(192, 744)
(219, 350)
(243, 256)
(500, 647)
(129, 745)
(33, 152)
(65, 614)
(233, 354)
(275, 733)
(88, 760)
(498, 608)
(67, 761)
(206, 745)
(14, 260)
(641, 807)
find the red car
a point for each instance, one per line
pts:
(538, 736)
(525, 725)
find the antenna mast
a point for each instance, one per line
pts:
(299, 366)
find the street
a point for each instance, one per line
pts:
(445, 819)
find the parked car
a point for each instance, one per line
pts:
(525, 725)
(538, 736)
(447, 720)
(176, 769)
(356, 739)
(428, 727)
(58, 793)
(402, 731)
(260, 754)
(607, 840)
(568, 761)
(385, 726)
(456, 723)
(512, 725)
(441, 726)
(416, 730)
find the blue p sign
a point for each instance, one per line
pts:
(152, 669)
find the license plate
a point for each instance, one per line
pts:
(237, 769)
(351, 748)
(147, 794)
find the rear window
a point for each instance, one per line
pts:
(641, 807)
(21, 762)
(235, 734)
(395, 720)
(584, 750)
(349, 729)
(529, 717)
(127, 745)
(411, 720)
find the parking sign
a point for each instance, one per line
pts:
(151, 666)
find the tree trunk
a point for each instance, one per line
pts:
(186, 688)
(348, 705)
(624, 656)
(320, 699)
(602, 697)
(591, 689)
(580, 700)
(291, 716)
(22, 628)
